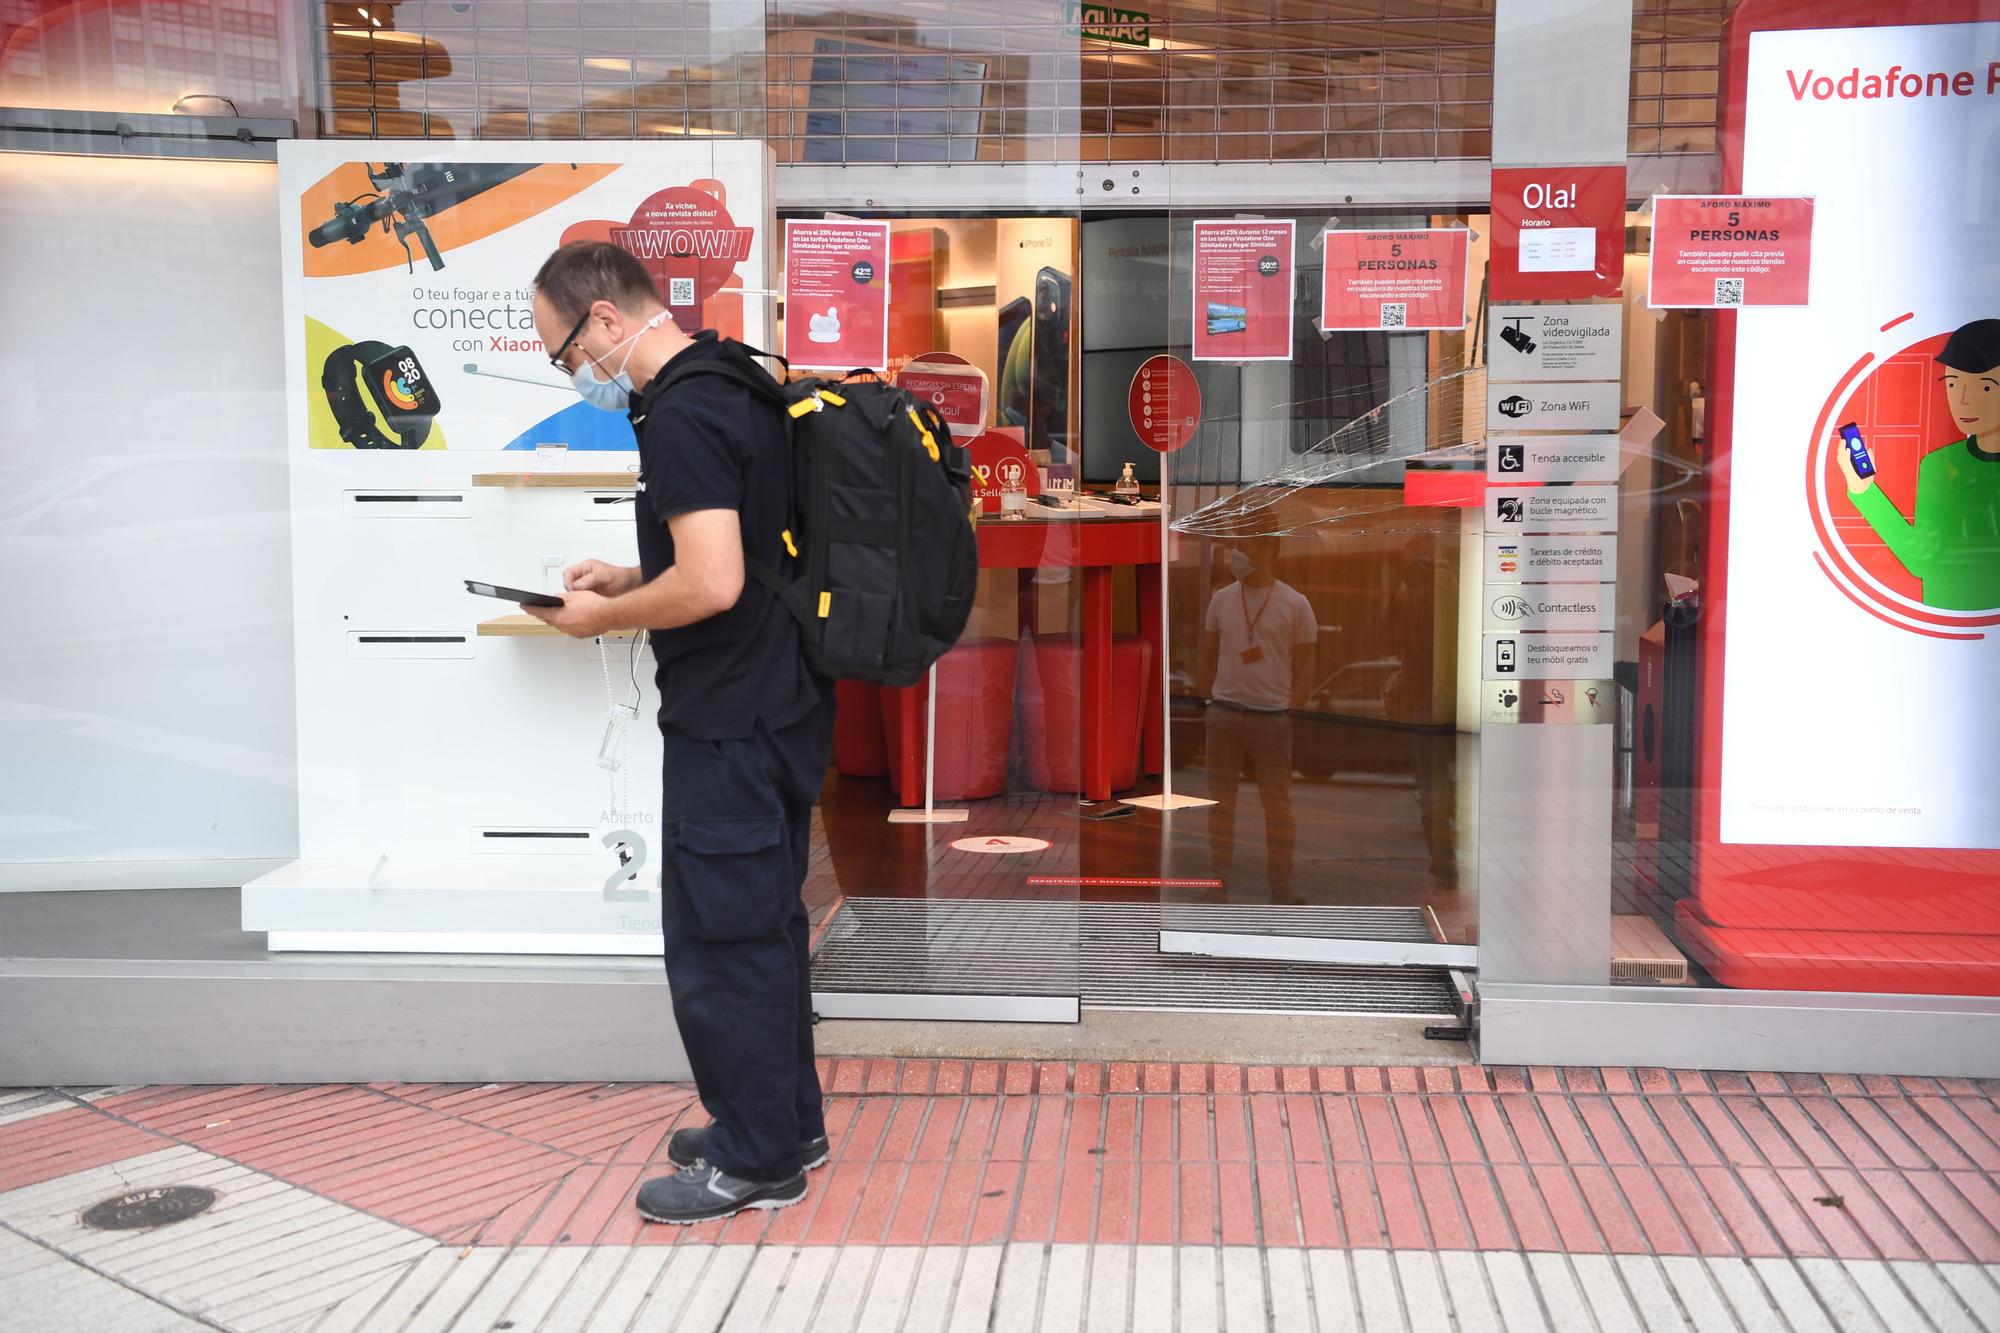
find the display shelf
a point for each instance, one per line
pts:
(524, 626)
(595, 480)
(489, 903)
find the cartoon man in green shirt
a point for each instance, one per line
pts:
(1952, 540)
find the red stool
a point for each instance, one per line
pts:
(1052, 711)
(975, 724)
(860, 750)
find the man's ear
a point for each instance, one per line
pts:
(611, 317)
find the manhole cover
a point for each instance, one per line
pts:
(148, 1208)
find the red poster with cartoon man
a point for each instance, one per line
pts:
(836, 294)
(1394, 279)
(1243, 289)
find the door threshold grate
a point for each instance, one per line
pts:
(1108, 956)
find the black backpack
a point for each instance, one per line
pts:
(886, 561)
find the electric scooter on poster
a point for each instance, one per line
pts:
(407, 193)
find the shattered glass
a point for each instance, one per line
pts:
(1436, 424)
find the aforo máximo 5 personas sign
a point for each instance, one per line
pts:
(1409, 278)
(1721, 251)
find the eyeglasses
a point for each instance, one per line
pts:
(574, 329)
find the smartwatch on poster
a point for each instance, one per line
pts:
(397, 386)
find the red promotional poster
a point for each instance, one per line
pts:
(1558, 233)
(836, 294)
(953, 386)
(1721, 251)
(1165, 402)
(690, 244)
(1409, 278)
(1243, 289)
(1001, 462)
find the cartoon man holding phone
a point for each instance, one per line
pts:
(1951, 541)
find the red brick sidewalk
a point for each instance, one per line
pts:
(955, 1152)
(974, 1154)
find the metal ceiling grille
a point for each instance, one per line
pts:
(1676, 63)
(996, 81)
(1107, 954)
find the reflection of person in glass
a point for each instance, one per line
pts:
(1256, 666)
(1433, 757)
(1951, 541)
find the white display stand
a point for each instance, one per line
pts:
(930, 814)
(450, 799)
(962, 432)
(1166, 800)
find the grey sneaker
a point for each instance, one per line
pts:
(689, 1147)
(702, 1193)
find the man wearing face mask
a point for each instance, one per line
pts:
(748, 729)
(1256, 666)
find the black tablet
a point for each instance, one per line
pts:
(513, 594)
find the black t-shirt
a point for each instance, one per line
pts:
(711, 444)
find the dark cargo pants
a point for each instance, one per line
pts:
(736, 835)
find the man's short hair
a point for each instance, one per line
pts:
(1974, 348)
(585, 272)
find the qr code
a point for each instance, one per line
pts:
(1729, 291)
(680, 291)
(1395, 314)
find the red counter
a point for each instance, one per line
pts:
(1094, 545)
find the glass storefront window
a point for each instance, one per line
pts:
(1727, 751)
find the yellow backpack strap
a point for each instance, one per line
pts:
(930, 441)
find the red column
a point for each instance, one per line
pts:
(909, 756)
(1096, 709)
(1152, 629)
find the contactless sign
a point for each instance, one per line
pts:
(1165, 403)
(1562, 606)
(1725, 251)
(1558, 233)
(1394, 280)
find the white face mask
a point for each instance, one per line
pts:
(614, 394)
(1239, 565)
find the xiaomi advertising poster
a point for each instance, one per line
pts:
(1861, 672)
(409, 269)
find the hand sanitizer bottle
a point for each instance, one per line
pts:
(1127, 483)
